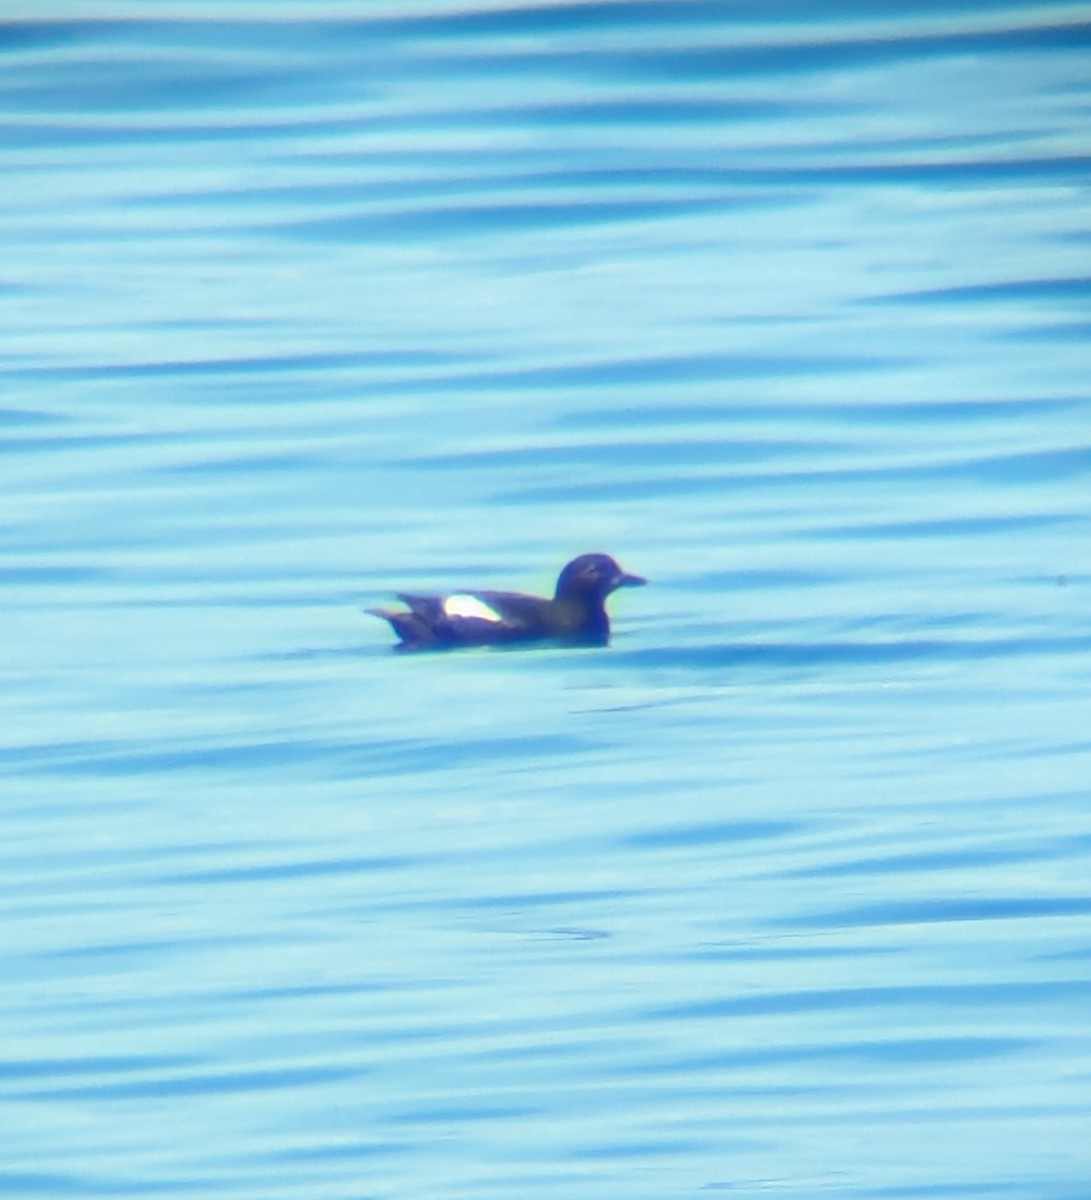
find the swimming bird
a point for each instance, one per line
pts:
(576, 616)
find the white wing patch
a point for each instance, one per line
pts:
(470, 606)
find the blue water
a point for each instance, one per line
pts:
(784, 893)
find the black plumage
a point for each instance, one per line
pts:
(575, 616)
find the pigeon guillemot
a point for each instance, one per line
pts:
(576, 616)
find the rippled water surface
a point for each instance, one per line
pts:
(787, 891)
